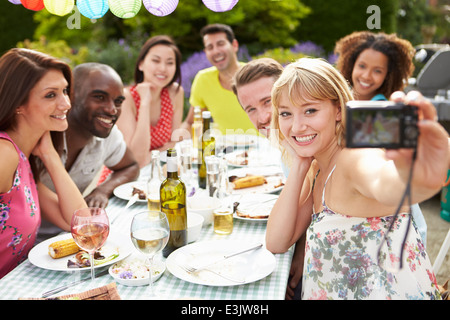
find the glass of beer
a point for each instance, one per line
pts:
(223, 221)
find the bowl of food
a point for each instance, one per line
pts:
(134, 271)
(203, 205)
(195, 224)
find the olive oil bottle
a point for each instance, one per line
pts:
(173, 204)
(208, 147)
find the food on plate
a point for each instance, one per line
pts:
(141, 193)
(133, 269)
(249, 181)
(101, 256)
(257, 208)
(278, 185)
(252, 214)
(240, 159)
(62, 248)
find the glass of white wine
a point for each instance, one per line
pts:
(90, 229)
(150, 233)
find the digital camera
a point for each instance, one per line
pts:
(381, 124)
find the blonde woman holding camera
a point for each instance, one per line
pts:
(345, 199)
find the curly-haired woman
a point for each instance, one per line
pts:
(375, 64)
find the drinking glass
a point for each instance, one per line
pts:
(223, 221)
(150, 233)
(90, 229)
(212, 175)
(186, 160)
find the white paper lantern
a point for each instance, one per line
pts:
(160, 8)
(220, 5)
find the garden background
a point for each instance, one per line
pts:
(282, 29)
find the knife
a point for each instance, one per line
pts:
(59, 289)
(132, 200)
(225, 257)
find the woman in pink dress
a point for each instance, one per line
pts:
(34, 100)
(153, 108)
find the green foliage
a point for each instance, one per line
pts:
(16, 24)
(74, 28)
(413, 16)
(282, 55)
(59, 49)
(331, 20)
(258, 24)
(416, 19)
(120, 54)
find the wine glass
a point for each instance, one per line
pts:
(90, 229)
(150, 233)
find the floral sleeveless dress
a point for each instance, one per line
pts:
(20, 215)
(341, 259)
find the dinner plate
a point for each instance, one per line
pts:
(248, 267)
(40, 258)
(251, 158)
(255, 204)
(125, 191)
(237, 140)
(274, 177)
(133, 261)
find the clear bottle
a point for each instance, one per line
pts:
(173, 204)
(154, 182)
(197, 127)
(207, 149)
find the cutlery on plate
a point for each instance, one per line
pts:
(225, 257)
(190, 269)
(132, 201)
(257, 204)
(59, 289)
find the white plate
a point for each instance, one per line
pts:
(273, 174)
(238, 140)
(124, 191)
(158, 269)
(255, 158)
(40, 258)
(249, 267)
(260, 204)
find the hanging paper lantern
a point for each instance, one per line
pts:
(93, 9)
(125, 8)
(220, 5)
(160, 8)
(15, 1)
(59, 7)
(34, 5)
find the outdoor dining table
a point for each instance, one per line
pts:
(30, 281)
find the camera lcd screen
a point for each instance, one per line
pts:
(375, 127)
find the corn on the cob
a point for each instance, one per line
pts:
(62, 248)
(249, 181)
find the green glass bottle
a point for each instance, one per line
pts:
(208, 147)
(173, 204)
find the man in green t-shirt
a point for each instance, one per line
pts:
(211, 88)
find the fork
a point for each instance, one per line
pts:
(191, 270)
